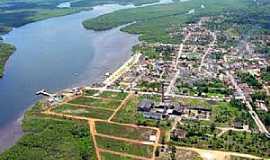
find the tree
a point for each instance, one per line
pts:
(157, 153)
(213, 127)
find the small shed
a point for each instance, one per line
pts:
(238, 125)
(178, 134)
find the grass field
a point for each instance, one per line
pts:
(126, 147)
(128, 113)
(124, 131)
(84, 112)
(49, 138)
(109, 156)
(100, 103)
(113, 95)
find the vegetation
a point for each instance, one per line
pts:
(20, 12)
(126, 147)
(124, 131)
(4, 29)
(5, 51)
(83, 3)
(148, 51)
(240, 158)
(48, 138)
(266, 74)
(179, 154)
(84, 112)
(265, 117)
(150, 86)
(195, 102)
(109, 156)
(210, 88)
(114, 95)
(155, 23)
(96, 102)
(249, 79)
(90, 92)
(226, 114)
(202, 136)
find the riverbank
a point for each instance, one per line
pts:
(40, 139)
(6, 51)
(16, 13)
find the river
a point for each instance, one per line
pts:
(55, 54)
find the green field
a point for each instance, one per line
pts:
(5, 52)
(124, 131)
(128, 113)
(125, 147)
(100, 103)
(113, 95)
(84, 112)
(49, 138)
(109, 156)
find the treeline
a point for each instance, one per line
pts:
(5, 52)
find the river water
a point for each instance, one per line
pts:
(55, 54)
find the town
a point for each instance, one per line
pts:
(208, 93)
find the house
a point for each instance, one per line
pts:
(179, 110)
(145, 105)
(152, 115)
(178, 134)
(238, 125)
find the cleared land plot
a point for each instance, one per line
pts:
(109, 156)
(136, 133)
(113, 95)
(195, 102)
(128, 113)
(125, 147)
(84, 112)
(100, 103)
(180, 154)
